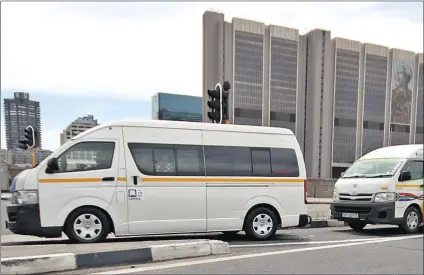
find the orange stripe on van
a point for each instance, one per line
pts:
(408, 185)
(180, 179)
(76, 180)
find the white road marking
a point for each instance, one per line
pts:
(263, 254)
(305, 243)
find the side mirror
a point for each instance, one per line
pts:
(52, 165)
(405, 176)
(342, 173)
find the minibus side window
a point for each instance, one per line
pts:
(416, 169)
(261, 162)
(168, 159)
(284, 162)
(228, 161)
(86, 156)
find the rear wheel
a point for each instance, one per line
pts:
(411, 220)
(357, 225)
(261, 224)
(87, 225)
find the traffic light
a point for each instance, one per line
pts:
(214, 103)
(225, 106)
(30, 140)
(218, 103)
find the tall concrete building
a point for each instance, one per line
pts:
(261, 62)
(342, 98)
(19, 112)
(78, 126)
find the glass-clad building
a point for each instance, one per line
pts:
(176, 107)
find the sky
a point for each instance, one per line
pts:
(107, 58)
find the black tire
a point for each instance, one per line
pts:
(99, 218)
(357, 225)
(249, 227)
(412, 213)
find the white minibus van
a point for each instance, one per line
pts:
(164, 177)
(384, 186)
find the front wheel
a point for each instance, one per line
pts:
(357, 225)
(87, 225)
(411, 220)
(261, 224)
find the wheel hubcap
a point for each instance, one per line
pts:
(87, 226)
(412, 220)
(262, 224)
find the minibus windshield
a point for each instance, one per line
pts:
(373, 168)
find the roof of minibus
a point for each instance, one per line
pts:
(189, 125)
(397, 151)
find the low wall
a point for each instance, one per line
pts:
(321, 188)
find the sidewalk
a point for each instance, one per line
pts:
(319, 200)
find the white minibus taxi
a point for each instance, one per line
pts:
(164, 177)
(384, 186)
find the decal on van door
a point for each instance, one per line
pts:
(135, 194)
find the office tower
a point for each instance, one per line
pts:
(176, 107)
(261, 62)
(342, 98)
(419, 124)
(78, 126)
(19, 112)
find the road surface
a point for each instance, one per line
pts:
(377, 250)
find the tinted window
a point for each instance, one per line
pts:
(168, 160)
(284, 162)
(87, 156)
(261, 162)
(189, 160)
(164, 161)
(228, 161)
(219, 161)
(416, 169)
(242, 161)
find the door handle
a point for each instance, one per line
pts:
(108, 179)
(135, 182)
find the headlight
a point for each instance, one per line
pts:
(385, 197)
(335, 196)
(25, 197)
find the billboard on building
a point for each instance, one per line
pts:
(401, 87)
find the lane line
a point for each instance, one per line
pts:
(263, 254)
(307, 243)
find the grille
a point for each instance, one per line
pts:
(353, 209)
(358, 197)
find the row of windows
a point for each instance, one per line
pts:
(185, 160)
(188, 160)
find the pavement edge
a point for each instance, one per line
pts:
(71, 261)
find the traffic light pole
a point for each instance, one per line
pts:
(218, 85)
(33, 157)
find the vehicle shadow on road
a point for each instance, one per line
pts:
(238, 238)
(379, 232)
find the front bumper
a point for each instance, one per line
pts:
(372, 213)
(25, 220)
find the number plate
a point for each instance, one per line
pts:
(350, 215)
